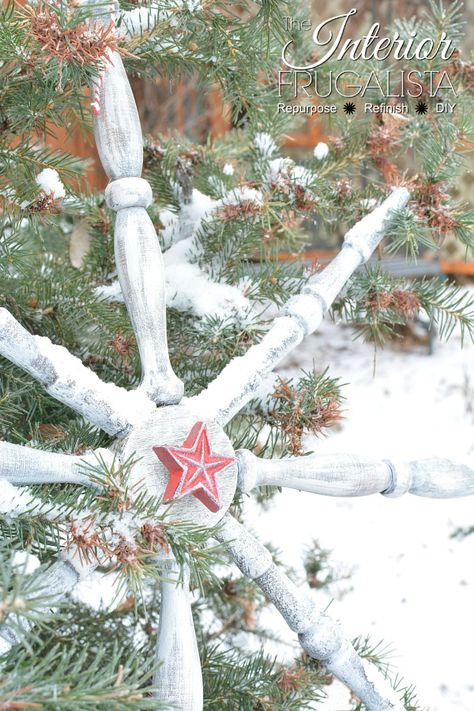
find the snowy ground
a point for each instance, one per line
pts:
(412, 585)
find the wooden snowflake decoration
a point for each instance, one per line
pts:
(181, 450)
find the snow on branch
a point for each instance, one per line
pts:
(143, 20)
(189, 287)
(64, 376)
(351, 475)
(191, 290)
(303, 313)
(50, 182)
(140, 20)
(15, 502)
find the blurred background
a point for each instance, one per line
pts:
(184, 107)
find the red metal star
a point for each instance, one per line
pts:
(193, 468)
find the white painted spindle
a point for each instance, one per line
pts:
(327, 474)
(25, 465)
(318, 634)
(354, 475)
(106, 405)
(178, 678)
(137, 251)
(240, 379)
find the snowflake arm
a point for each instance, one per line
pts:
(25, 465)
(178, 678)
(138, 255)
(237, 383)
(318, 634)
(353, 475)
(105, 405)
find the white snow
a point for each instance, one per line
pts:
(265, 144)
(282, 171)
(190, 289)
(78, 385)
(412, 585)
(216, 184)
(140, 20)
(14, 500)
(189, 218)
(110, 292)
(18, 500)
(171, 227)
(190, 5)
(236, 196)
(125, 525)
(228, 169)
(321, 151)
(25, 562)
(50, 182)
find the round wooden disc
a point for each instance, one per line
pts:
(170, 426)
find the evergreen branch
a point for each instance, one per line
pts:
(447, 307)
(69, 678)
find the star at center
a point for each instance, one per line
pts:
(193, 468)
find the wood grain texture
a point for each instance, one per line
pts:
(117, 129)
(25, 465)
(326, 474)
(318, 634)
(354, 475)
(237, 383)
(141, 274)
(178, 678)
(434, 478)
(137, 251)
(171, 426)
(106, 405)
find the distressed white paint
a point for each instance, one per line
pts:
(353, 475)
(327, 474)
(318, 634)
(106, 405)
(434, 478)
(178, 678)
(137, 251)
(237, 383)
(25, 465)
